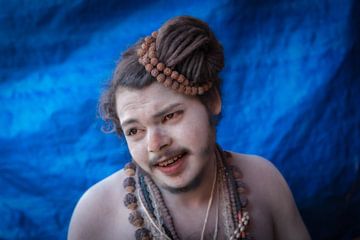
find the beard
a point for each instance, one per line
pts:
(205, 153)
(195, 182)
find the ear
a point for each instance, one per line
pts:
(215, 104)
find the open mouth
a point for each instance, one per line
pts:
(170, 161)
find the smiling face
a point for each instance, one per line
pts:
(168, 135)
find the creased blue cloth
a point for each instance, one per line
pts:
(291, 89)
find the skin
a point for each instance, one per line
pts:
(158, 123)
(156, 130)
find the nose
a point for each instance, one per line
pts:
(158, 140)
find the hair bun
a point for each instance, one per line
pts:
(187, 45)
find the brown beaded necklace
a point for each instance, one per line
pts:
(165, 75)
(159, 223)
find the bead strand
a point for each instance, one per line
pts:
(146, 195)
(238, 190)
(228, 210)
(130, 201)
(242, 216)
(158, 218)
(154, 215)
(232, 170)
(234, 189)
(240, 233)
(169, 227)
(230, 187)
(165, 75)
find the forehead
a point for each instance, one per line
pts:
(138, 102)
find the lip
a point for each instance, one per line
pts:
(175, 168)
(169, 155)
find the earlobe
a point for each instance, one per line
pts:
(215, 105)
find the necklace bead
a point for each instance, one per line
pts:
(142, 234)
(129, 169)
(136, 219)
(129, 184)
(130, 201)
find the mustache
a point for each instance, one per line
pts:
(168, 153)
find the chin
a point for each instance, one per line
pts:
(192, 185)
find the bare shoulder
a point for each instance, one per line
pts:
(262, 177)
(270, 192)
(100, 212)
(252, 164)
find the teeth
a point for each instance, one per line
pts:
(170, 161)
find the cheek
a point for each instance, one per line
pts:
(196, 131)
(137, 152)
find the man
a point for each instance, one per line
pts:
(164, 97)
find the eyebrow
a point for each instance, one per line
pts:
(166, 110)
(127, 122)
(156, 115)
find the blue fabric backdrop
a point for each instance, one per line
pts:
(290, 92)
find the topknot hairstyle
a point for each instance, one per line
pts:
(184, 44)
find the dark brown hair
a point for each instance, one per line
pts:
(184, 44)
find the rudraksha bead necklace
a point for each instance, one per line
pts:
(130, 201)
(232, 195)
(165, 75)
(152, 198)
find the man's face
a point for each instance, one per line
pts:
(168, 135)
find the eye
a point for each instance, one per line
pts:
(131, 132)
(169, 116)
(172, 116)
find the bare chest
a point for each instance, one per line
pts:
(191, 226)
(194, 224)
